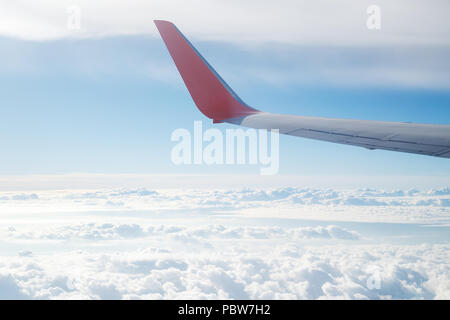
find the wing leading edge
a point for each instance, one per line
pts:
(216, 100)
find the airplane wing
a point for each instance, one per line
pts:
(216, 100)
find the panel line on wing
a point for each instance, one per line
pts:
(292, 132)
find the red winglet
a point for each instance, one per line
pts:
(214, 98)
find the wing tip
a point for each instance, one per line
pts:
(211, 94)
(159, 22)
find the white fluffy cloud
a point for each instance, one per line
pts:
(110, 231)
(288, 272)
(371, 205)
(138, 243)
(306, 22)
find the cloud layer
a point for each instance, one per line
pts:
(283, 272)
(370, 205)
(109, 231)
(304, 43)
(289, 21)
(252, 243)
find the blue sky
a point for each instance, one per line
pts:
(110, 105)
(104, 102)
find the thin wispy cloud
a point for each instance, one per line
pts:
(289, 272)
(292, 65)
(301, 22)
